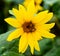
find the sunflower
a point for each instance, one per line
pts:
(36, 2)
(30, 26)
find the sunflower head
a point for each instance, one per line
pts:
(30, 26)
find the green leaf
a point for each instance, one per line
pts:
(16, 1)
(8, 48)
(10, 53)
(45, 46)
(50, 2)
(48, 48)
(4, 45)
(55, 51)
(10, 28)
(56, 9)
(8, 0)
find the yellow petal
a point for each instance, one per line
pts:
(45, 26)
(23, 13)
(38, 7)
(16, 12)
(31, 9)
(22, 8)
(13, 22)
(46, 34)
(48, 26)
(38, 1)
(40, 16)
(18, 15)
(47, 18)
(37, 46)
(37, 35)
(15, 34)
(25, 48)
(26, 2)
(31, 42)
(23, 44)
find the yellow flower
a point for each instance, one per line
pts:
(36, 2)
(30, 26)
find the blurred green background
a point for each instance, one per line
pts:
(48, 46)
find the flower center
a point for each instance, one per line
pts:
(28, 27)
